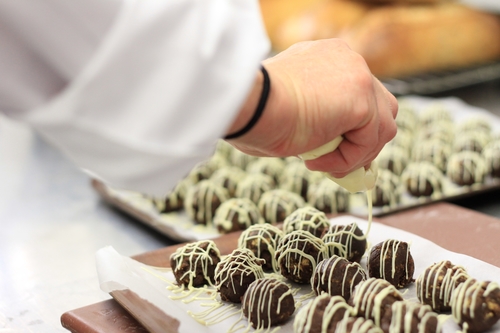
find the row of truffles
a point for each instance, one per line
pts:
(310, 252)
(431, 147)
(232, 191)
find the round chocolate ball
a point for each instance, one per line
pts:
(262, 240)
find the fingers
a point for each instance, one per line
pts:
(361, 146)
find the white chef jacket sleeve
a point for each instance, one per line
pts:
(164, 84)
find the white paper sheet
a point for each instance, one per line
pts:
(117, 272)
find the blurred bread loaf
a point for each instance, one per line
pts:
(275, 12)
(404, 40)
(324, 19)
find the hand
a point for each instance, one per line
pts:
(320, 90)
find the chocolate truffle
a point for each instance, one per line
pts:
(410, 317)
(309, 219)
(347, 241)
(387, 190)
(337, 276)
(203, 199)
(357, 325)
(298, 254)
(471, 141)
(393, 158)
(297, 178)
(391, 260)
(437, 131)
(268, 302)
(236, 214)
(276, 205)
(491, 154)
(404, 139)
(328, 197)
(423, 179)
(321, 314)
(235, 272)
(254, 185)
(373, 297)
(241, 159)
(407, 118)
(271, 166)
(434, 151)
(435, 112)
(194, 264)
(174, 200)
(467, 168)
(205, 169)
(262, 240)
(475, 305)
(228, 177)
(474, 124)
(436, 284)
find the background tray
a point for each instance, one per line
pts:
(438, 82)
(179, 227)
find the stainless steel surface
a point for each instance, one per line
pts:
(52, 223)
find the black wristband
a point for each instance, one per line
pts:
(266, 88)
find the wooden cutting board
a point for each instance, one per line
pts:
(452, 227)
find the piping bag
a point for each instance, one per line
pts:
(360, 180)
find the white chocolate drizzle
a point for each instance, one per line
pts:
(328, 196)
(467, 166)
(417, 174)
(228, 177)
(259, 299)
(293, 246)
(254, 185)
(466, 296)
(272, 201)
(442, 276)
(200, 200)
(307, 218)
(335, 242)
(368, 297)
(244, 210)
(305, 318)
(359, 325)
(388, 187)
(393, 158)
(197, 256)
(240, 261)
(403, 316)
(260, 238)
(390, 249)
(336, 269)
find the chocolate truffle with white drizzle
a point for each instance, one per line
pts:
(392, 261)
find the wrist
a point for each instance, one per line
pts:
(253, 108)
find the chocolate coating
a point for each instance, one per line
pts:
(235, 273)
(475, 305)
(268, 302)
(347, 241)
(262, 240)
(372, 298)
(436, 284)
(308, 219)
(277, 204)
(298, 254)
(321, 314)
(236, 214)
(408, 317)
(337, 276)
(194, 264)
(203, 199)
(392, 261)
(357, 325)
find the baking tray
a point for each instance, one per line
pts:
(179, 227)
(443, 81)
(452, 227)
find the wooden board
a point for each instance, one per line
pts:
(454, 228)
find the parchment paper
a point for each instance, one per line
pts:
(117, 272)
